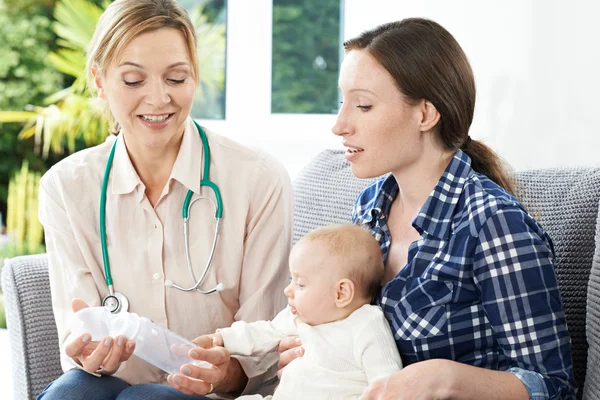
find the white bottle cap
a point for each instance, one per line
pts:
(126, 324)
(92, 320)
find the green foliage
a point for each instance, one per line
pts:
(75, 23)
(71, 113)
(306, 42)
(214, 10)
(30, 7)
(24, 72)
(2, 312)
(25, 78)
(25, 233)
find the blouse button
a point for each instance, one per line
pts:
(156, 276)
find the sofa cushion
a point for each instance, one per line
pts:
(564, 200)
(324, 193)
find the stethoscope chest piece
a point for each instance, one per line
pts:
(116, 303)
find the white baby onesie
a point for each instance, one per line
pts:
(341, 358)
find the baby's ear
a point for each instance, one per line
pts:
(345, 292)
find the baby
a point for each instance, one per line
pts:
(348, 344)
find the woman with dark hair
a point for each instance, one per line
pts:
(469, 288)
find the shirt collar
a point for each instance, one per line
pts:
(436, 215)
(124, 177)
(386, 190)
(186, 170)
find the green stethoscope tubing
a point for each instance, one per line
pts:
(205, 181)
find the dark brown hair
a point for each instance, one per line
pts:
(428, 63)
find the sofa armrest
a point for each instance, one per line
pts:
(591, 390)
(31, 326)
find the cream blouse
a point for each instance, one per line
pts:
(146, 244)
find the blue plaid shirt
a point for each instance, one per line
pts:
(479, 286)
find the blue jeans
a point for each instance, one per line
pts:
(77, 384)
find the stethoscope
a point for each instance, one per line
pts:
(117, 302)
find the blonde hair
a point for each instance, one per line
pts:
(124, 20)
(358, 248)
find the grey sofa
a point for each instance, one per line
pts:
(566, 202)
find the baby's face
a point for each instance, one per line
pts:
(312, 291)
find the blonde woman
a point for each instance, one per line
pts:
(142, 62)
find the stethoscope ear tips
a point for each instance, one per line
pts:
(169, 283)
(220, 287)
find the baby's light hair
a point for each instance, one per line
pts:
(364, 262)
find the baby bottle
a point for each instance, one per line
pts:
(154, 343)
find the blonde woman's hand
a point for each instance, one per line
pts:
(225, 375)
(104, 356)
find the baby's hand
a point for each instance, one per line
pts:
(217, 339)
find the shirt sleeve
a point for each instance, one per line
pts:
(70, 276)
(376, 349)
(258, 339)
(265, 271)
(514, 271)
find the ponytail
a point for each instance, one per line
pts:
(485, 161)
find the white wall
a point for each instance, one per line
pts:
(535, 64)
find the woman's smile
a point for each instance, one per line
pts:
(154, 121)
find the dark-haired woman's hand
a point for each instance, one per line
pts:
(445, 379)
(419, 381)
(289, 349)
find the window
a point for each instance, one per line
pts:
(306, 56)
